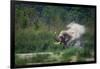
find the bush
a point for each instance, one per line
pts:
(27, 41)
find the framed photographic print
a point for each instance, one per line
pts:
(50, 34)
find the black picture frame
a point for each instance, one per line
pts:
(12, 41)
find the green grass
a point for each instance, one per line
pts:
(35, 41)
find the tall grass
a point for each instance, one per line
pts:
(30, 40)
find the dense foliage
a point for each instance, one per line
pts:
(35, 27)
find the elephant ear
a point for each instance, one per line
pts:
(70, 33)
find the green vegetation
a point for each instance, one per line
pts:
(35, 27)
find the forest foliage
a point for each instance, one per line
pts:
(35, 27)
